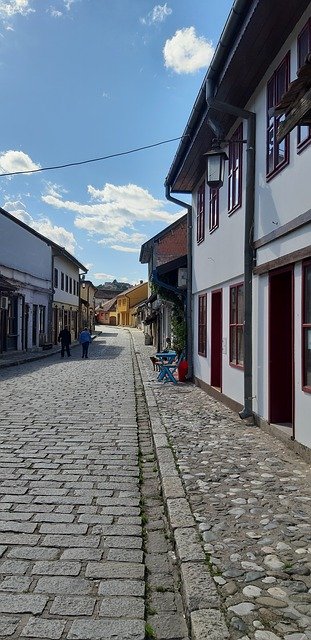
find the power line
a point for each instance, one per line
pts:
(75, 164)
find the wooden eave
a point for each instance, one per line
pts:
(296, 102)
(255, 44)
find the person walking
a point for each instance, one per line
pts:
(65, 339)
(85, 339)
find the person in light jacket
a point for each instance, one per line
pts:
(85, 339)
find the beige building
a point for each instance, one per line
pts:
(127, 303)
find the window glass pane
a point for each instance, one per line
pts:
(303, 46)
(307, 358)
(307, 296)
(233, 345)
(240, 345)
(270, 149)
(304, 133)
(240, 318)
(233, 305)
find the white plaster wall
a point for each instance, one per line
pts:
(302, 399)
(220, 256)
(287, 194)
(295, 240)
(24, 252)
(260, 345)
(68, 268)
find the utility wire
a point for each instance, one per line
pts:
(74, 164)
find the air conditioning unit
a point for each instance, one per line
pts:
(182, 278)
(4, 303)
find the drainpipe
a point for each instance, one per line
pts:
(189, 277)
(250, 118)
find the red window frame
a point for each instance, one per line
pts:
(306, 326)
(201, 213)
(235, 170)
(277, 153)
(202, 324)
(303, 49)
(213, 210)
(236, 325)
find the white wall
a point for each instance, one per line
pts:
(23, 251)
(64, 265)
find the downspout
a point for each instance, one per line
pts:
(189, 347)
(250, 118)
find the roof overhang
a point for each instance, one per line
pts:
(252, 37)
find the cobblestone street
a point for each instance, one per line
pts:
(90, 547)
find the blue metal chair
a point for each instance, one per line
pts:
(167, 371)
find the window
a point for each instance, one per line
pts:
(67, 280)
(70, 285)
(62, 280)
(201, 213)
(56, 278)
(277, 152)
(41, 318)
(303, 49)
(213, 214)
(235, 170)
(237, 325)
(202, 326)
(306, 328)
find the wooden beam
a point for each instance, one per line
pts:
(295, 116)
(289, 258)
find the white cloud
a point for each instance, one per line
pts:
(11, 161)
(186, 52)
(54, 12)
(113, 212)
(158, 14)
(43, 225)
(118, 247)
(103, 276)
(10, 8)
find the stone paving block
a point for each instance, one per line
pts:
(43, 628)
(73, 606)
(122, 607)
(125, 555)
(8, 625)
(82, 554)
(19, 538)
(23, 527)
(126, 542)
(112, 629)
(66, 529)
(171, 626)
(121, 587)
(12, 515)
(13, 566)
(33, 553)
(25, 603)
(188, 545)
(111, 569)
(62, 585)
(57, 568)
(2, 550)
(179, 513)
(198, 587)
(16, 583)
(70, 541)
(95, 519)
(208, 624)
(53, 517)
(172, 486)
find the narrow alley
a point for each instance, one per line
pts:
(133, 509)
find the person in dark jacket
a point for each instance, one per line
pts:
(65, 339)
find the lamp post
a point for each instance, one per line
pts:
(215, 166)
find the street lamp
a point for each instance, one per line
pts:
(215, 166)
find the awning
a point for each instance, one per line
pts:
(150, 319)
(152, 298)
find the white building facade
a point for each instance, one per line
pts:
(66, 293)
(246, 81)
(26, 261)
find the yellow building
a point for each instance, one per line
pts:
(127, 302)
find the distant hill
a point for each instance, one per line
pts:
(115, 285)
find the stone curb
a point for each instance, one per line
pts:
(38, 356)
(200, 596)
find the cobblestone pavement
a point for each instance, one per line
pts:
(71, 539)
(242, 497)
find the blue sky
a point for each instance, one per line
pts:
(83, 79)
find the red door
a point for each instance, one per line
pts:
(216, 340)
(281, 351)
